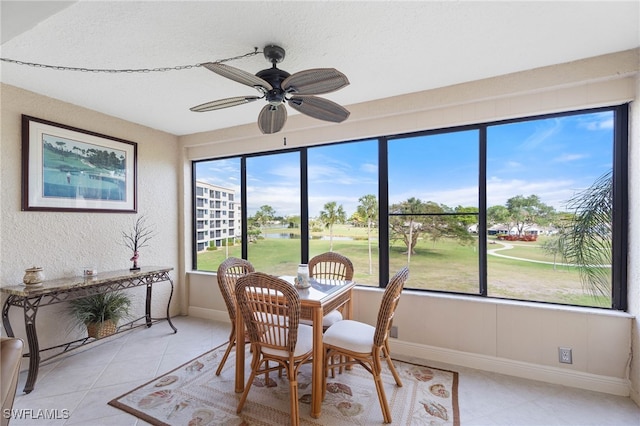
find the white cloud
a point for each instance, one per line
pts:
(567, 158)
(541, 134)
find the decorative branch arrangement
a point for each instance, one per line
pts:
(137, 238)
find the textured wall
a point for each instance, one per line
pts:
(63, 242)
(519, 332)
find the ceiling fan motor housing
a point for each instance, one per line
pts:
(274, 77)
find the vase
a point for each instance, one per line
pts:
(303, 276)
(33, 276)
(134, 259)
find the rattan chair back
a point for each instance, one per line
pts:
(228, 273)
(270, 307)
(388, 306)
(331, 266)
(338, 342)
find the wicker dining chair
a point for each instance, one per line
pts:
(355, 342)
(228, 273)
(330, 266)
(270, 307)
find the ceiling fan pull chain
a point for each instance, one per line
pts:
(123, 71)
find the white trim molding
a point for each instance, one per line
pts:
(544, 373)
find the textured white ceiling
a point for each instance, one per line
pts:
(384, 48)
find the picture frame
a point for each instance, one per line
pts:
(68, 169)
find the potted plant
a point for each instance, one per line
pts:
(100, 313)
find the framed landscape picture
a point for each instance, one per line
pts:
(70, 169)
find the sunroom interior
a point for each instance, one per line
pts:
(510, 337)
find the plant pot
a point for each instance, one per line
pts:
(98, 330)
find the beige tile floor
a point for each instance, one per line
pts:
(83, 381)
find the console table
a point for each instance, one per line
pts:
(30, 298)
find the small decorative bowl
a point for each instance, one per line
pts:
(33, 276)
(89, 271)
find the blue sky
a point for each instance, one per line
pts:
(552, 158)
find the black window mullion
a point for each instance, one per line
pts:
(383, 212)
(304, 206)
(243, 207)
(482, 211)
(620, 209)
(194, 216)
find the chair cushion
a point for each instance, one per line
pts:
(351, 335)
(328, 320)
(304, 343)
(331, 318)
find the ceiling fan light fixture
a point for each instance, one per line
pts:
(275, 84)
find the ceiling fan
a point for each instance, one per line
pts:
(279, 87)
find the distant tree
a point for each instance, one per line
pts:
(368, 210)
(525, 211)
(407, 226)
(497, 214)
(293, 222)
(253, 230)
(553, 246)
(413, 218)
(315, 225)
(264, 215)
(331, 215)
(468, 215)
(356, 219)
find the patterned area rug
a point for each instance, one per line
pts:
(193, 395)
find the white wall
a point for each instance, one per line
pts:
(64, 242)
(634, 242)
(510, 337)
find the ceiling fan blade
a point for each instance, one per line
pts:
(272, 118)
(315, 81)
(224, 103)
(238, 75)
(320, 108)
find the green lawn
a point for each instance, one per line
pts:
(444, 265)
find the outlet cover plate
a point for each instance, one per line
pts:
(565, 355)
(393, 332)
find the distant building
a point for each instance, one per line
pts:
(217, 216)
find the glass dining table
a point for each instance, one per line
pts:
(322, 296)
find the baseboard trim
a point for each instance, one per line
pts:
(210, 314)
(544, 373)
(525, 370)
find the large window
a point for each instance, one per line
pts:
(535, 168)
(273, 212)
(211, 179)
(531, 209)
(433, 210)
(343, 204)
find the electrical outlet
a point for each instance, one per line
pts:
(393, 332)
(564, 355)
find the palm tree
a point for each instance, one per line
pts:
(368, 210)
(586, 242)
(331, 215)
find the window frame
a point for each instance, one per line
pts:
(620, 199)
